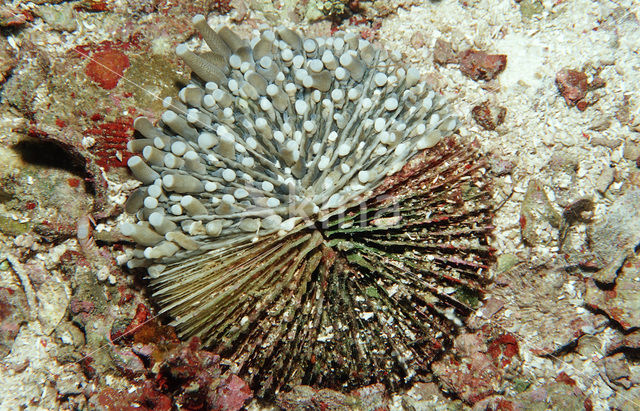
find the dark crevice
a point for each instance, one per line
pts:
(5, 196)
(605, 286)
(612, 322)
(631, 353)
(565, 349)
(51, 154)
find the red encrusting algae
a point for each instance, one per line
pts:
(107, 67)
(111, 138)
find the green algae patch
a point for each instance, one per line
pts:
(11, 227)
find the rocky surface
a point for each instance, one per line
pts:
(558, 326)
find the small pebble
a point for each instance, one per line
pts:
(488, 116)
(605, 142)
(443, 53)
(604, 181)
(479, 65)
(631, 150)
(573, 85)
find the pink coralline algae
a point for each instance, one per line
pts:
(187, 377)
(482, 66)
(478, 365)
(573, 85)
(196, 379)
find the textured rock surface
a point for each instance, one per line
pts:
(7, 59)
(48, 97)
(614, 238)
(548, 301)
(560, 395)
(371, 397)
(538, 215)
(480, 365)
(480, 65)
(622, 303)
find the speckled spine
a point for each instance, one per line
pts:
(293, 207)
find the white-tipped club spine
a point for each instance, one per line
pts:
(282, 127)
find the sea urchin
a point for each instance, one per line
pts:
(301, 215)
